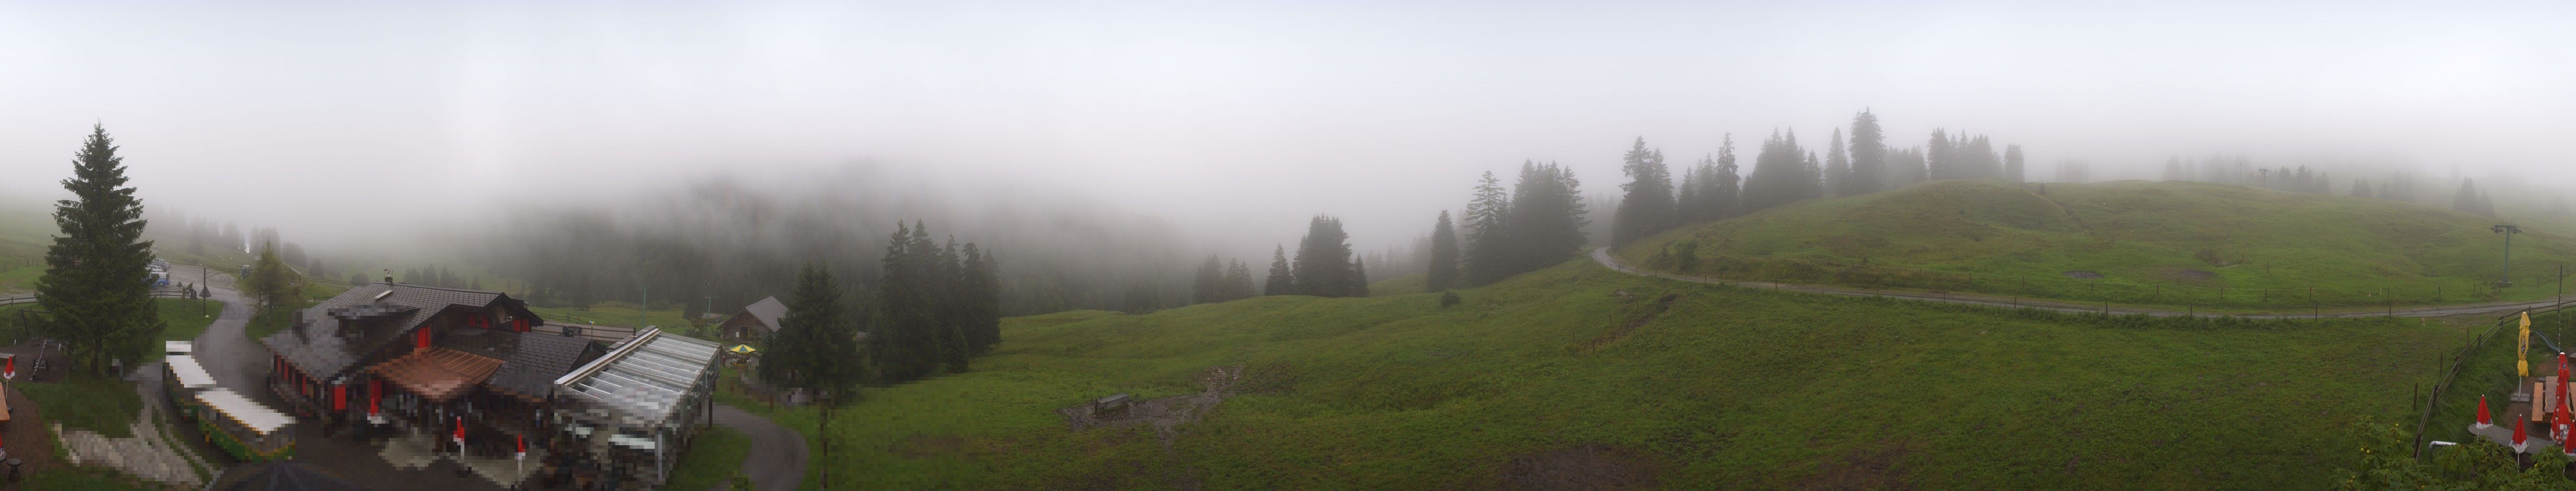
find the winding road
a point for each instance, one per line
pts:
(777, 458)
(1602, 255)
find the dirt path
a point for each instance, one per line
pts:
(1602, 256)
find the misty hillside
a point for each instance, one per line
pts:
(732, 241)
(1641, 382)
(2169, 243)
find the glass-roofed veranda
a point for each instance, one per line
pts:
(637, 406)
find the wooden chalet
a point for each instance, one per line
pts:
(755, 322)
(426, 359)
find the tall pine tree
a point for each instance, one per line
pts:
(1323, 262)
(1205, 283)
(1723, 188)
(816, 349)
(96, 288)
(1485, 258)
(1838, 173)
(1442, 273)
(1283, 279)
(1647, 208)
(1868, 154)
(2013, 169)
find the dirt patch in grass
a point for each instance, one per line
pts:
(1644, 314)
(1581, 468)
(1167, 413)
(2083, 275)
(2188, 275)
(1863, 468)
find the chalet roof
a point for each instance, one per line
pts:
(645, 379)
(768, 310)
(437, 373)
(529, 361)
(382, 313)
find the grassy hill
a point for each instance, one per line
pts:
(2169, 243)
(1557, 377)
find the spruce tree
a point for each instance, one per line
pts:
(1647, 208)
(2012, 164)
(96, 288)
(1938, 157)
(1981, 158)
(1358, 279)
(1204, 284)
(1484, 256)
(1282, 280)
(817, 348)
(909, 347)
(271, 284)
(1838, 173)
(2360, 188)
(1323, 263)
(1238, 281)
(2466, 201)
(1687, 207)
(1868, 154)
(1725, 191)
(1442, 273)
(1546, 219)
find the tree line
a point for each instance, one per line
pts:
(1784, 172)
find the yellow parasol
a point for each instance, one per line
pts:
(742, 349)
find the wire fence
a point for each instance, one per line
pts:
(2460, 361)
(2106, 307)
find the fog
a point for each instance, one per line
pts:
(375, 125)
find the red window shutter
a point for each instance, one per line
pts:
(424, 338)
(339, 397)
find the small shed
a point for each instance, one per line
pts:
(755, 322)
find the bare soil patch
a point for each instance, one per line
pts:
(2083, 275)
(1582, 468)
(1166, 413)
(1648, 314)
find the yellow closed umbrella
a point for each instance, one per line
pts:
(2522, 348)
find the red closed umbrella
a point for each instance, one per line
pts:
(2483, 420)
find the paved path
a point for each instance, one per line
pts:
(237, 362)
(1602, 255)
(777, 458)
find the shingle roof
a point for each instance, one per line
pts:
(318, 345)
(768, 311)
(438, 374)
(533, 361)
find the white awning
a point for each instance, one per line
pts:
(242, 410)
(189, 373)
(178, 347)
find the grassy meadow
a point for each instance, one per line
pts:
(1556, 373)
(2165, 243)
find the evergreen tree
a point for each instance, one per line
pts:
(1358, 280)
(1648, 206)
(1979, 153)
(1238, 281)
(1938, 154)
(1868, 154)
(1547, 218)
(271, 284)
(1282, 280)
(2360, 187)
(1323, 263)
(817, 347)
(2013, 170)
(947, 306)
(95, 288)
(1687, 207)
(1838, 179)
(1442, 273)
(2466, 201)
(1725, 190)
(1782, 174)
(1204, 284)
(1910, 167)
(1485, 257)
(906, 344)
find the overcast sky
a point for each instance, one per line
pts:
(1235, 119)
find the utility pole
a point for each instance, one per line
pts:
(2505, 276)
(642, 309)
